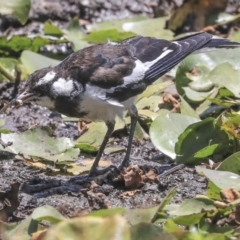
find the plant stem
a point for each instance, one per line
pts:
(6, 73)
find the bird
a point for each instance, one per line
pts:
(101, 81)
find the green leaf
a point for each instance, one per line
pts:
(138, 215)
(85, 147)
(221, 179)
(148, 231)
(193, 206)
(189, 220)
(90, 228)
(200, 81)
(187, 110)
(228, 76)
(164, 203)
(11, 64)
(213, 228)
(231, 164)
(195, 96)
(74, 34)
(107, 212)
(150, 103)
(175, 125)
(154, 89)
(150, 27)
(93, 136)
(38, 143)
(213, 191)
(102, 36)
(207, 151)
(116, 24)
(52, 30)
(19, 8)
(205, 134)
(18, 43)
(171, 227)
(198, 67)
(76, 168)
(147, 114)
(39, 62)
(47, 213)
(21, 231)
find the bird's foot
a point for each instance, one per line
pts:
(94, 172)
(124, 164)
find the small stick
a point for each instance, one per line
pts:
(6, 73)
(17, 82)
(174, 169)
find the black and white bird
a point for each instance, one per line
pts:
(101, 81)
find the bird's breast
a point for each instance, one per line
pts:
(91, 104)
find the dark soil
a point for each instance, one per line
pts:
(70, 195)
(74, 195)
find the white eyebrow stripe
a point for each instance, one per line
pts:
(47, 78)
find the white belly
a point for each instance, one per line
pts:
(97, 107)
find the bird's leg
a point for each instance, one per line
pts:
(110, 128)
(133, 112)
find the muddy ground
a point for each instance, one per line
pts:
(76, 195)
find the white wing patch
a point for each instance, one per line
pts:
(147, 65)
(137, 73)
(141, 67)
(47, 78)
(63, 87)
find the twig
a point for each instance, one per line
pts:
(174, 169)
(17, 82)
(6, 73)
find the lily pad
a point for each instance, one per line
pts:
(165, 130)
(150, 27)
(93, 228)
(196, 137)
(39, 62)
(74, 34)
(228, 76)
(84, 166)
(231, 164)
(116, 24)
(47, 213)
(193, 206)
(198, 67)
(221, 179)
(148, 231)
(37, 143)
(186, 109)
(94, 136)
(150, 103)
(102, 36)
(19, 8)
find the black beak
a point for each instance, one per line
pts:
(25, 96)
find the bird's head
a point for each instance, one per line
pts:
(38, 88)
(48, 86)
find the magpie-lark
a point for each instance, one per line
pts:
(101, 81)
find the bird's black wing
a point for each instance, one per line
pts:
(126, 68)
(155, 57)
